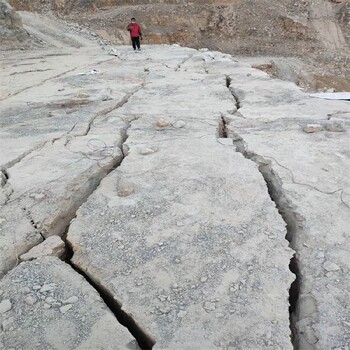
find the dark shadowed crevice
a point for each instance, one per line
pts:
(235, 95)
(145, 341)
(222, 128)
(293, 220)
(294, 225)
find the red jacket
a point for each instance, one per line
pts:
(135, 30)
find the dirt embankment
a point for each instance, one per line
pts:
(12, 33)
(235, 26)
(315, 31)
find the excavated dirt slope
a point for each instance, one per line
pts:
(316, 32)
(12, 34)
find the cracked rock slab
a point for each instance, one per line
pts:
(312, 171)
(53, 307)
(187, 239)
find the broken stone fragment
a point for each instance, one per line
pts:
(125, 190)
(71, 300)
(65, 308)
(208, 306)
(46, 288)
(179, 124)
(53, 246)
(147, 151)
(31, 299)
(6, 324)
(162, 123)
(311, 128)
(334, 126)
(331, 266)
(5, 306)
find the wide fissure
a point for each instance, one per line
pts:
(293, 223)
(285, 208)
(144, 340)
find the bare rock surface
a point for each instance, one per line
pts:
(47, 305)
(184, 183)
(309, 176)
(180, 262)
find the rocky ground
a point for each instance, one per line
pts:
(167, 199)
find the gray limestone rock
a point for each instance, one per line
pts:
(52, 246)
(183, 234)
(34, 324)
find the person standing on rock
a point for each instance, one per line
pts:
(135, 34)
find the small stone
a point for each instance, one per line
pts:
(179, 124)
(50, 300)
(65, 308)
(208, 306)
(31, 299)
(71, 300)
(52, 246)
(182, 313)
(46, 288)
(56, 304)
(162, 298)
(204, 279)
(125, 190)
(36, 287)
(311, 128)
(26, 290)
(177, 260)
(6, 324)
(39, 196)
(47, 306)
(320, 255)
(334, 126)
(5, 306)
(330, 266)
(162, 123)
(147, 151)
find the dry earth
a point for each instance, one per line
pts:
(201, 203)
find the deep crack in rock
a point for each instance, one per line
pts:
(144, 340)
(293, 220)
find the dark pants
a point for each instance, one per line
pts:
(135, 42)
